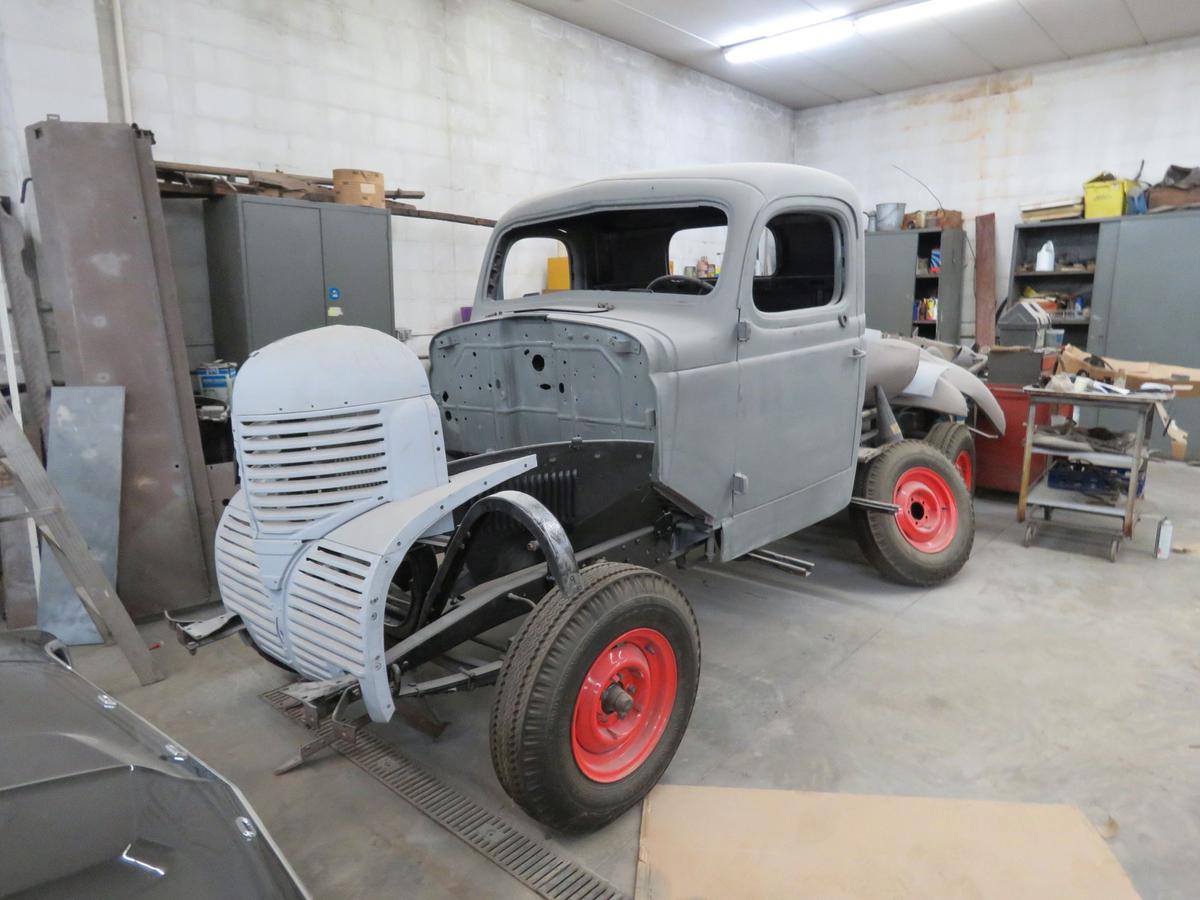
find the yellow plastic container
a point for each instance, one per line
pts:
(558, 273)
(1104, 198)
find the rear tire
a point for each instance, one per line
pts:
(559, 743)
(955, 440)
(930, 539)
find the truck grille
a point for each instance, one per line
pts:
(326, 599)
(238, 577)
(299, 470)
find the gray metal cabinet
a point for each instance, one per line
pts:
(1154, 311)
(277, 267)
(894, 281)
(891, 258)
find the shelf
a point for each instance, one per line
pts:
(924, 321)
(928, 275)
(1056, 498)
(1070, 320)
(1112, 460)
(1057, 273)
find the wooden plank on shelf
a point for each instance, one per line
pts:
(985, 279)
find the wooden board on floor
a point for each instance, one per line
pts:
(700, 842)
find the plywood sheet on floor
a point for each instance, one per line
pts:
(733, 842)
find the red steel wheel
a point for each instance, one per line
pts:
(930, 536)
(928, 516)
(965, 466)
(594, 696)
(955, 440)
(624, 705)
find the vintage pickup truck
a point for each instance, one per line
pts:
(562, 447)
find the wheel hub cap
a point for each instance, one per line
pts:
(928, 517)
(624, 705)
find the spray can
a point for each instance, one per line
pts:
(1162, 539)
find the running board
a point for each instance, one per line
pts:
(782, 561)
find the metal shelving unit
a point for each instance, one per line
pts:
(895, 281)
(1038, 494)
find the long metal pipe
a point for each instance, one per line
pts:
(122, 64)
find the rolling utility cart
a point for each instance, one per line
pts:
(1041, 494)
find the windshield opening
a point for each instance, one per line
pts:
(663, 250)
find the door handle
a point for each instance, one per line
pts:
(857, 353)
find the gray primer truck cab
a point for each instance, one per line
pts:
(751, 392)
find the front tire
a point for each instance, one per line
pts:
(930, 538)
(594, 697)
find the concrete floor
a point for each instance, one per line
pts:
(1044, 674)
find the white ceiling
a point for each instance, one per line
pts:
(1002, 34)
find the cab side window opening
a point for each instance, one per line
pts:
(527, 263)
(798, 263)
(630, 250)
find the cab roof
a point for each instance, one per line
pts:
(748, 185)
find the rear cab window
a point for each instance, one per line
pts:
(657, 250)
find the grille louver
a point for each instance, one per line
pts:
(301, 469)
(325, 611)
(238, 577)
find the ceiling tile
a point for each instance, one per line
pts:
(1163, 20)
(866, 63)
(1004, 34)
(1081, 27)
(931, 50)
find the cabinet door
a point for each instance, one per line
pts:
(1155, 314)
(891, 275)
(283, 270)
(950, 286)
(358, 267)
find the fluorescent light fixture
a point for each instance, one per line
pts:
(797, 41)
(899, 16)
(778, 26)
(822, 34)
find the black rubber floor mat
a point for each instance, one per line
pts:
(529, 861)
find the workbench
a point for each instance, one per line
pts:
(1039, 493)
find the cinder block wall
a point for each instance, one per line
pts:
(994, 144)
(478, 102)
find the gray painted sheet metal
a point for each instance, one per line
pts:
(84, 461)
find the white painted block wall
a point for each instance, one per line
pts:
(478, 102)
(994, 144)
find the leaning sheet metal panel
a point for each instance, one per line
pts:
(106, 270)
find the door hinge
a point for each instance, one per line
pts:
(741, 483)
(742, 331)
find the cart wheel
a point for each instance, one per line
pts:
(956, 441)
(594, 697)
(1113, 548)
(1030, 531)
(930, 538)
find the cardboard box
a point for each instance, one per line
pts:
(1132, 375)
(1168, 197)
(1104, 196)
